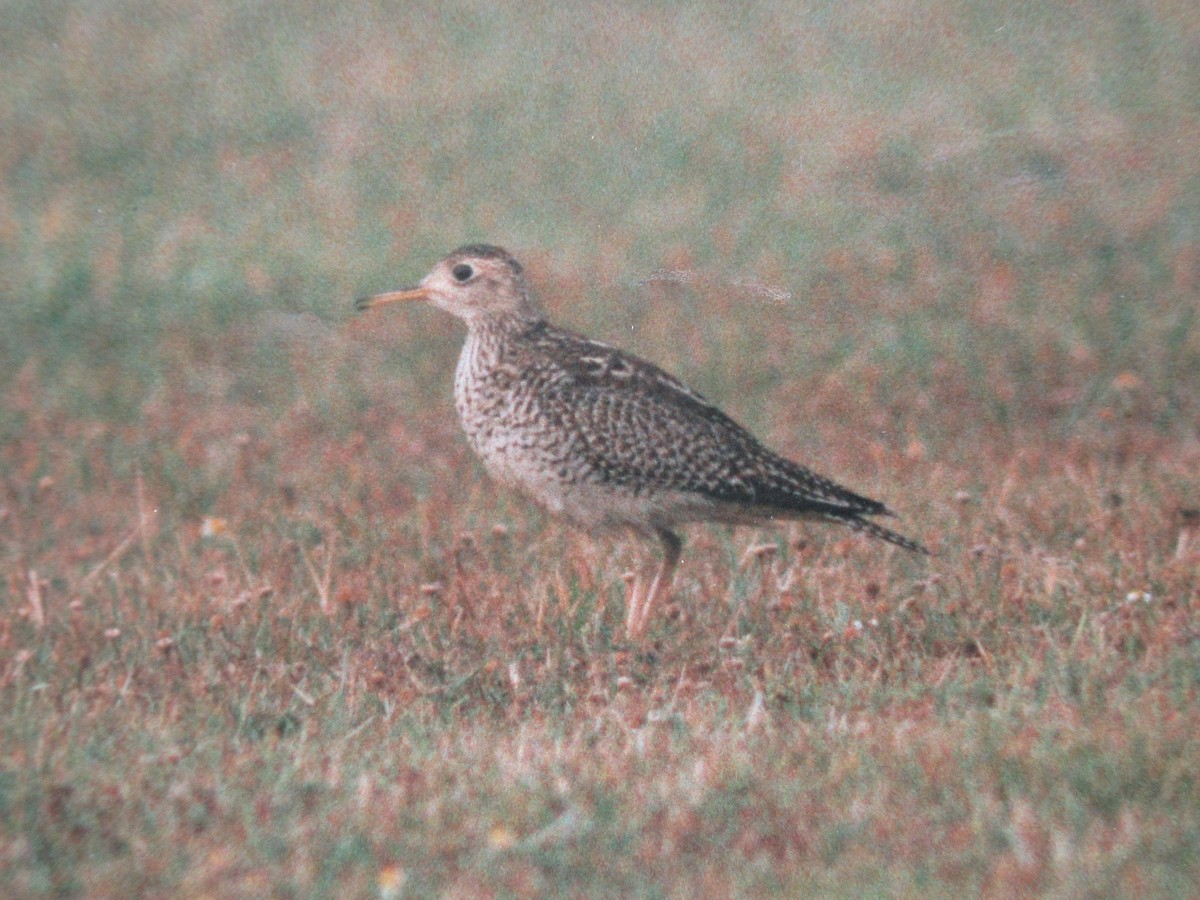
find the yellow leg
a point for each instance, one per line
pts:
(642, 602)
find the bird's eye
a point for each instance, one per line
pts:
(462, 272)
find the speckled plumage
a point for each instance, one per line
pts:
(606, 439)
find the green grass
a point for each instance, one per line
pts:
(943, 252)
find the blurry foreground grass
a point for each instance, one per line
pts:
(265, 629)
(356, 676)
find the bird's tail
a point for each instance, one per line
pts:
(885, 534)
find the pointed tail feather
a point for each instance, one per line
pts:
(885, 534)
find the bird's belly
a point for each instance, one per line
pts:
(543, 472)
(566, 489)
(599, 506)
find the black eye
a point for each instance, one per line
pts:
(462, 272)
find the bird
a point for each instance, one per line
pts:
(605, 439)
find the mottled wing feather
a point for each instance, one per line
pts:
(644, 429)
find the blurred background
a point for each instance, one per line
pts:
(915, 223)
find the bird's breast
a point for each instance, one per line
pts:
(505, 419)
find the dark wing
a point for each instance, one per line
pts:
(642, 428)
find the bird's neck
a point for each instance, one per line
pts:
(490, 342)
(497, 329)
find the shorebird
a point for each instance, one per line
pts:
(605, 439)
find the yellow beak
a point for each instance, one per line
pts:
(418, 293)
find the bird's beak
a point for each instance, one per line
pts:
(417, 293)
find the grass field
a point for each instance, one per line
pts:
(267, 630)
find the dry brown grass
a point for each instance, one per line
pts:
(369, 669)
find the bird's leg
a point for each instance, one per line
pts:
(640, 587)
(642, 602)
(634, 590)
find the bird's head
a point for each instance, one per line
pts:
(477, 282)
